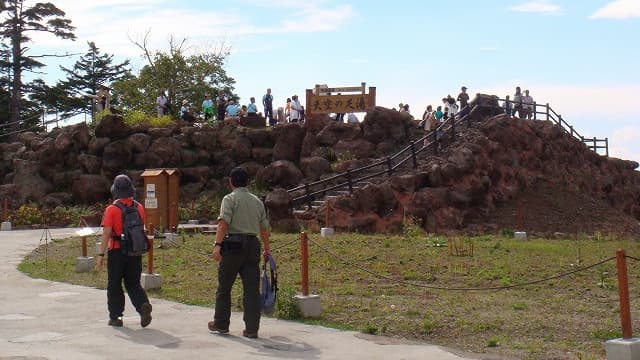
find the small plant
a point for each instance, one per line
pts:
(162, 121)
(606, 334)
(493, 342)
(508, 233)
(429, 325)
(135, 117)
(27, 214)
(411, 229)
(370, 329)
(519, 306)
(286, 306)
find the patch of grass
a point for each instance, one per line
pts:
(526, 322)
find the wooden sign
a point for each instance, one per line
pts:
(321, 100)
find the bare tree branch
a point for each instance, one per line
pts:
(144, 47)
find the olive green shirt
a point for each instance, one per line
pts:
(244, 212)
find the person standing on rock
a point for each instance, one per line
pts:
(161, 104)
(207, 107)
(508, 106)
(237, 249)
(119, 265)
(517, 103)
(221, 102)
(527, 103)
(267, 102)
(296, 109)
(463, 98)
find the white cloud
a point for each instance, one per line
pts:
(624, 143)
(537, 6)
(619, 9)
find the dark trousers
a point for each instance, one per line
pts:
(128, 268)
(221, 111)
(268, 114)
(243, 260)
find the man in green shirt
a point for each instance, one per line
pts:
(237, 249)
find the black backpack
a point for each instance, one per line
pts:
(133, 240)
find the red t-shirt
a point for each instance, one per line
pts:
(113, 218)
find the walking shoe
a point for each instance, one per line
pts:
(145, 314)
(214, 327)
(250, 335)
(115, 322)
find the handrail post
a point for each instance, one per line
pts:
(606, 146)
(571, 128)
(150, 237)
(5, 210)
(469, 119)
(547, 106)
(453, 130)
(595, 144)
(389, 166)
(413, 154)
(304, 266)
(623, 291)
(535, 111)
(349, 182)
(307, 195)
(435, 142)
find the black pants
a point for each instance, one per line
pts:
(221, 111)
(243, 259)
(128, 268)
(268, 114)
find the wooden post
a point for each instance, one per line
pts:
(307, 195)
(435, 142)
(84, 246)
(326, 220)
(389, 166)
(304, 269)
(547, 109)
(535, 110)
(5, 210)
(606, 146)
(150, 237)
(623, 291)
(520, 217)
(453, 130)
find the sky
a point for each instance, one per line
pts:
(580, 56)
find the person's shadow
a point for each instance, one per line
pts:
(278, 346)
(152, 337)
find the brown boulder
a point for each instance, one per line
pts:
(316, 122)
(262, 155)
(289, 142)
(90, 164)
(31, 185)
(97, 145)
(382, 124)
(404, 183)
(116, 156)
(253, 121)
(139, 142)
(91, 189)
(314, 167)
(335, 131)
(278, 202)
(196, 174)
(242, 150)
(168, 149)
(112, 127)
(309, 144)
(259, 138)
(160, 132)
(357, 149)
(281, 173)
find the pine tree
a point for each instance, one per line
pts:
(92, 70)
(17, 21)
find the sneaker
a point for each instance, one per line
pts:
(115, 322)
(214, 327)
(250, 335)
(145, 314)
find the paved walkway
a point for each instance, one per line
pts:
(41, 319)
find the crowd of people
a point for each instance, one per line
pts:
(522, 104)
(223, 107)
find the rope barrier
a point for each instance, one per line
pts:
(632, 258)
(504, 287)
(199, 252)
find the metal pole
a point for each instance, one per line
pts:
(623, 291)
(606, 144)
(150, 237)
(326, 220)
(547, 111)
(389, 166)
(535, 111)
(413, 154)
(349, 180)
(304, 269)
(308, 197)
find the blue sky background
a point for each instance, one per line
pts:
(581, 56)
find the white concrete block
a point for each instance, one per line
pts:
(85, 264)
(6, 226)
(309, 305)
(151, 281)
(326, 232)
(520, 235)
(170, 240)
(623, 349)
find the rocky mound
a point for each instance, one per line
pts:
(475, 182)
